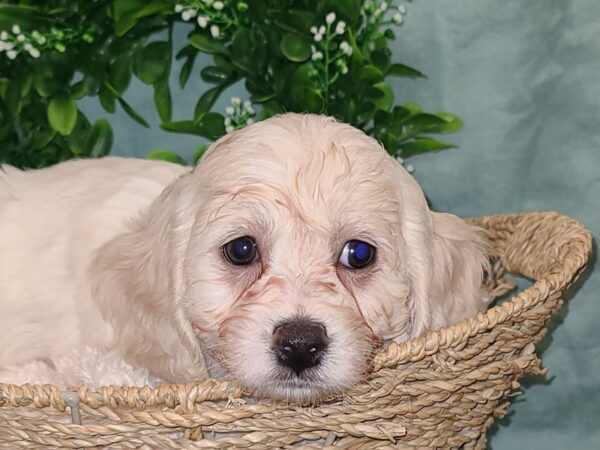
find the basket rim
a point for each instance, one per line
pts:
(563, 273)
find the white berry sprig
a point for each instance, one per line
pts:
(238, 114)
(217, 16)
(16, 42)
(330, 53)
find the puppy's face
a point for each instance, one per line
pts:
(295, 268)
(294, 247)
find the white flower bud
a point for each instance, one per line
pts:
(218, 6)
(34, 52)
(397, 18)
(16, 29)
(313, 30)
(318, 37)
(330, 18)
(383, 7)
(340, 28)
(402, 9)
(317, 56)
(178, 8)
(41, 40)
(227, 120)
(229, 110)
(344, 69)
(186, 15)
(214, 31)
(11, 54)
(248, 107)
(345, 48)
(202, 21)
(249, 121)
(229, 128)
(235, 101)
(2, 46)
(21, 37)
(3, 35)
(400, 160)
(410, 168)
(322, 30)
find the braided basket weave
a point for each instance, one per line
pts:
(442, 390)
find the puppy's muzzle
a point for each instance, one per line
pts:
(299, 344)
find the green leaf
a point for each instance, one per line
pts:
(261, 97)
(271, 108)
(46, 86)
(119, 73)
(370, 74)
(293, 20)
(313, 101)
(413, 108)
(126, 107)
(107, 100)
(206, 101)
(183, 127)
(295, 48)
(453, 122)
(78, 90)
(152, 62)
(207, 44)
(24, 16)
(214, 124)
(241, 55)
(199, 153)
(128, 12)
(13, 97)
(381, 60)
(213, 74)
(42, 138)
(132, 113)
(99, 139)
(62, 114)
(424, 122)
(186, 69)
(349, 8)
(165, 155)
(401, 70)
(76, 141)
(386, 100)
(162, 100)
(423, 145)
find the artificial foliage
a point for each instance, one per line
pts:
(329, 57)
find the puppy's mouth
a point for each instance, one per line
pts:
(296, 363)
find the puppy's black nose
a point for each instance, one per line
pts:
(299, 344)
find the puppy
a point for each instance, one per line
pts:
(280, 261)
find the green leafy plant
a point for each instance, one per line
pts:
(330, 57)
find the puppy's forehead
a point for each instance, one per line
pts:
(298, 153)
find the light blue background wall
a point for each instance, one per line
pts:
(525, 77)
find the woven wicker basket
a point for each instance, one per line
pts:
(442, 390)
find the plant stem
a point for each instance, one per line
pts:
(327, 41)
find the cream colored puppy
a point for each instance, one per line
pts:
(292, 249)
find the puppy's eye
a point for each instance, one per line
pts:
(357, 254)
(241, 251)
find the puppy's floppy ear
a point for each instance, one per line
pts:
(137, 283)
(446, 259)
(459, 259)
